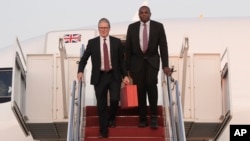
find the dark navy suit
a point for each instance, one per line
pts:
(105, 81)
(144, 67)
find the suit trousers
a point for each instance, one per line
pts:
(146, 81)
(107, 83)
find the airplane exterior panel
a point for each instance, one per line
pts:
(207, 88)
(177, 63)
(40, 88)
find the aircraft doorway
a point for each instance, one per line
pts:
(5, 84)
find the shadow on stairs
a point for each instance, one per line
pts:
(126, 127)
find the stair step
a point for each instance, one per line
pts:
(92, 111)
(126, 139)
(126, 129)
(131, 132)
(121, 121)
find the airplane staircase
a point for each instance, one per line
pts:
(126, 122)
(126, 127)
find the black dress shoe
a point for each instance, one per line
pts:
(154, 123)
(103, 135)
(143, 124)
(112, 123)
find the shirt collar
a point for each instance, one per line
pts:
(107, 38)
(147, 23)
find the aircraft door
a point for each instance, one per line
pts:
(18, 90)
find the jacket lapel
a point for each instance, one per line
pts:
(137, 35)
(98, 49)
(111, 47)
(150, 33)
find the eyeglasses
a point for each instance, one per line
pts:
(103, 28)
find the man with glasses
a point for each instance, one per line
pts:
(108, 69)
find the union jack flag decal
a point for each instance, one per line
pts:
(72, 38)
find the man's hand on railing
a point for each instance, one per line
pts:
(167, 71)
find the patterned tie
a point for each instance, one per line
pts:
(106, 56)
(145, 38)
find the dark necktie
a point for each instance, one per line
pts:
(145, 38)
(106, 56)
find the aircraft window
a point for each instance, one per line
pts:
(5, 84)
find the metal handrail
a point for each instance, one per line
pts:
(79, 111)
(71, 113)
(74, 125)
(77, 130)
(168, 109)
(180, 121)
(177, 129)
(165, 103)
(171, 110)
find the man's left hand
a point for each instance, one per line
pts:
(167, 71)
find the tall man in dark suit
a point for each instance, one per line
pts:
(144, 39)
(107, 73)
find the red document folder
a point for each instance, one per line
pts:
(129, 96)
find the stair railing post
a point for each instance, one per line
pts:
(63, 55)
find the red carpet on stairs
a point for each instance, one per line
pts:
(126, 127)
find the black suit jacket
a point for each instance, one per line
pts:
(157, 40)
(117, 59)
